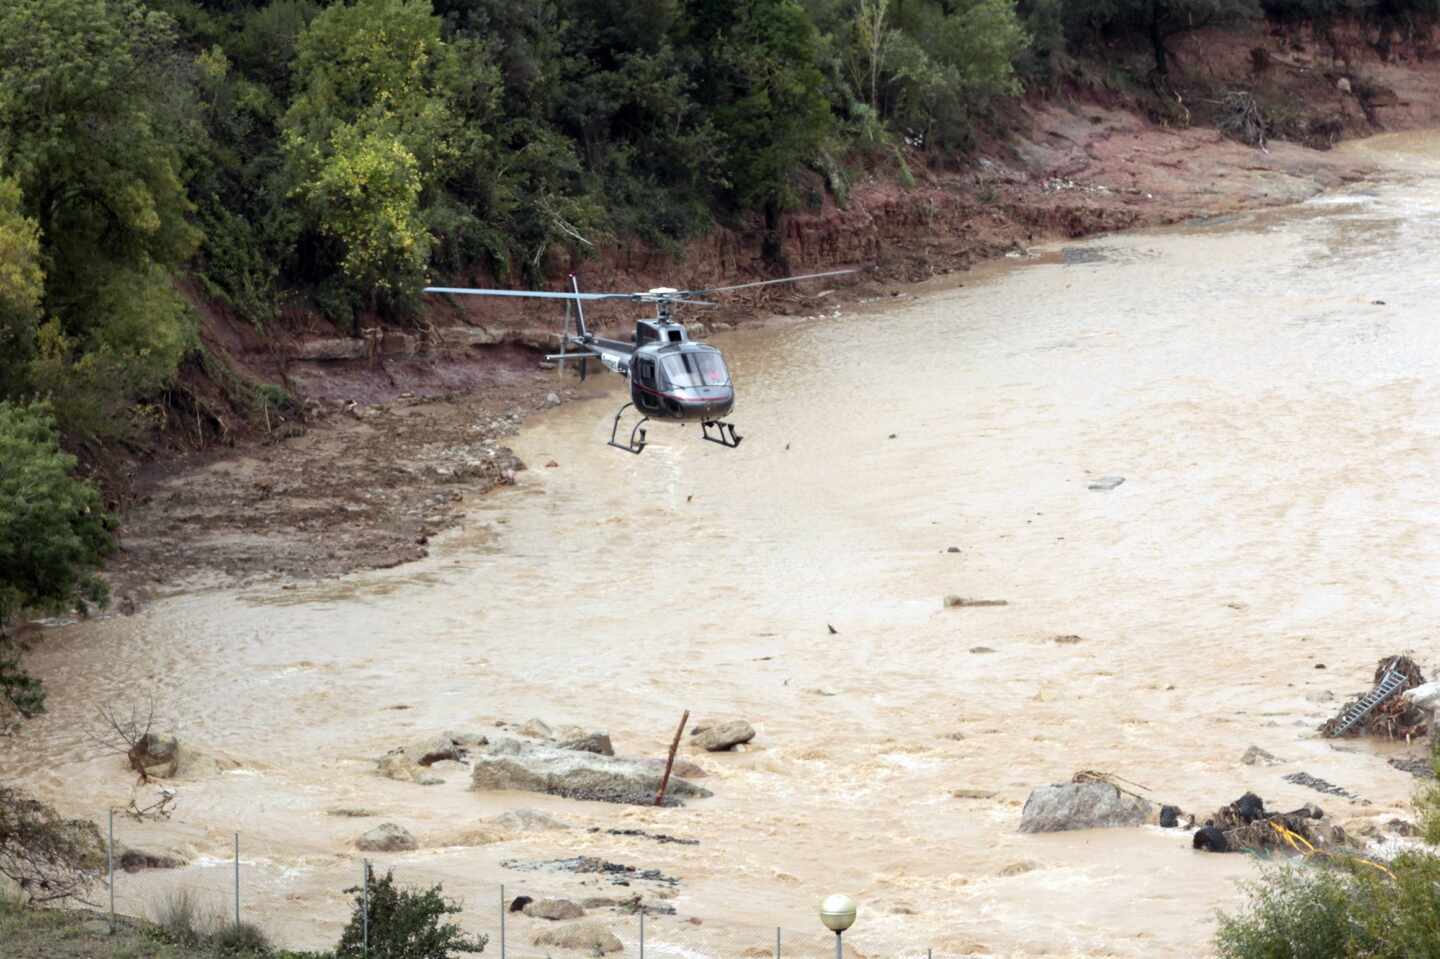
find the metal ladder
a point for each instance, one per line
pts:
(1388, 686)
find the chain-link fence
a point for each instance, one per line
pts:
(215, 892)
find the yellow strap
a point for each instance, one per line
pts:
(1376, 865)
(1293, 838)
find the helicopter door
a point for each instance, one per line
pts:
(646, 388)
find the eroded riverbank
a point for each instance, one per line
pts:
(1278, 431)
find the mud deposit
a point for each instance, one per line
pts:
(1277, 430)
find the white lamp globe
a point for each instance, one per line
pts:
(837, 912)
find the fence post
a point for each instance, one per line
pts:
(365, 907)
(237, 880)
(110, 870)
(777, 942)
(642, 932)
(502, 921)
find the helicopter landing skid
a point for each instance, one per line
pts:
(636, 443)
(726, 433)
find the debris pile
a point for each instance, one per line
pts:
(1245, 826)
(1383, 711)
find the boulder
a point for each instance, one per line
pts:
(451, 747)
(597, 742)
(553, 909)
(1090, 805)
(683, 768)
(155, 755)
(400, 766)
(536, 767)
(136, 860)
(535, 729)
(387, 837)
(723, 736)
(1255, 756)
(589, 937)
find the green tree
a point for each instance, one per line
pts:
(95, 123)
(759, 75)
(22, 282)
(404, 924)
(376, 134)
(53, 536)
(364, 192)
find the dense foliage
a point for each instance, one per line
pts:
(344, 151)
(340, 152)
(53, 536)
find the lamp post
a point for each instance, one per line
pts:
(838, 914)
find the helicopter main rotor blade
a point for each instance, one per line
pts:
(746, 286)
(533, 294)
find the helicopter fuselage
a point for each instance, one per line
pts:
(680, 381)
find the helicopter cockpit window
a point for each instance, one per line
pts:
(696, 369)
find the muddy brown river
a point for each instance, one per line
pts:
(1278, 432)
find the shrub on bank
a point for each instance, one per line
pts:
(1337, 910)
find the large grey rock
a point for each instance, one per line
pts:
(723, 736)
(1083, 806)
(387, 837)
(589, 937)
(592, 741)
(553, 909)
(683, 768)
(543, 768)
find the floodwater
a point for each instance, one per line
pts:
(1278, 432)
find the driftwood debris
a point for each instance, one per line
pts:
(670, 762)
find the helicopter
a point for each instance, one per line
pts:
(671, 376)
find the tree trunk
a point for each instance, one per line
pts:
(772, 249)
(1157, 41)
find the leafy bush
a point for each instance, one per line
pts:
(405, 924)
(53, 536)
(1348, 908)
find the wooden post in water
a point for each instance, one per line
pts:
(670, 763)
